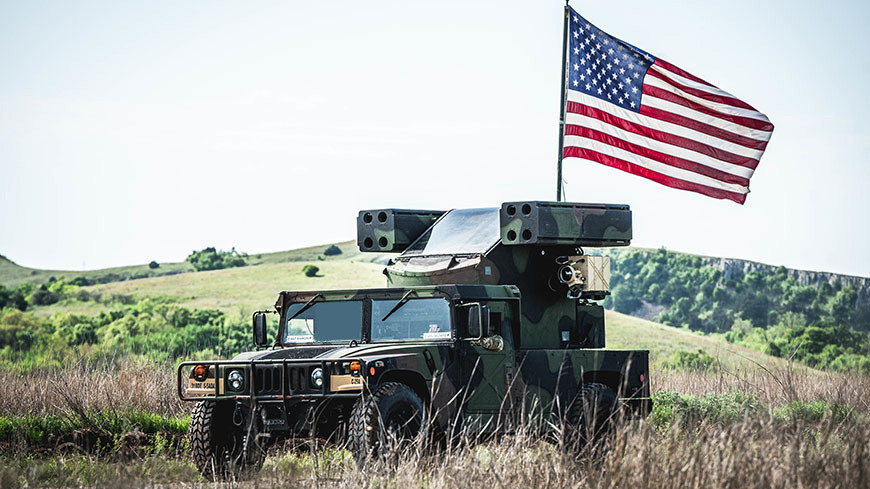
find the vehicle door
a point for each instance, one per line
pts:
(488, 355)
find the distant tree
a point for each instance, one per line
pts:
(310, 270)
(213, 259)
(153, 265)
(12, 298)
(44, 297)
(332, 250)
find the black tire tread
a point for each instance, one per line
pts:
(596, 399)
(363, 425)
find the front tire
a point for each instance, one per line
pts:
(221, 450)
(391, 417)
(591, 414)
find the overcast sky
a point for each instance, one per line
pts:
(138, 131)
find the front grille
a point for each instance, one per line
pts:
(297, 379)
(267, 380)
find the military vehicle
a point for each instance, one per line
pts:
(487, 323)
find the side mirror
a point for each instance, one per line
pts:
(260, 338)
(478, 320)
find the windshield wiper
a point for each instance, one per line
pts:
(399, 304)
(305, 306)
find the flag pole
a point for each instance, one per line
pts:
(562, 104)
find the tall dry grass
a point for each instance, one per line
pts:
(755, 452)
(126, 384)
(129, 384)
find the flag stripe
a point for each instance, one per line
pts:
(748, 127)
(667, 132)
(744, 117)
(652, 175)
(701, 84)
(578, 115)
(574, 136)
(751, 125)
(722, 99)
(734, 130)
(717, 132)
(655, 165)
(578, 120)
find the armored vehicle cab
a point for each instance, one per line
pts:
(488, 322)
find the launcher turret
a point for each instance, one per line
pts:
(536, 246)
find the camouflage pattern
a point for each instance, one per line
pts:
(542, 346)
(565, 223)
(388, 230)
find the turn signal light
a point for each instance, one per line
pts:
(199, 372)
(355, 368)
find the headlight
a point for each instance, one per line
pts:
(236, 380)
(317, 377)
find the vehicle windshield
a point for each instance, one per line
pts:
(417, 319)
(460, 231)
(324, 322)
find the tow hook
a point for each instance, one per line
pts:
(237, 416)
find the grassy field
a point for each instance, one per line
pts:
(752, 422)
(121, 424)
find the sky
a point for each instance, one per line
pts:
(139, 131)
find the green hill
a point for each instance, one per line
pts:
(238, 291)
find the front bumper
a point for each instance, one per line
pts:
(271, 380)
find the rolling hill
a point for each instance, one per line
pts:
(238, 291)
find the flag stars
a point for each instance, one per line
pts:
(602, 66)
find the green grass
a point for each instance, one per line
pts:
(12, 274)
(42, 430)
(627, 332)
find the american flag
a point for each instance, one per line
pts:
(630, 110)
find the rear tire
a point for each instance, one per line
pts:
(391, 417)
(220, 449)
(590, 416)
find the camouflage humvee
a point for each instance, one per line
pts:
(488, 323)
